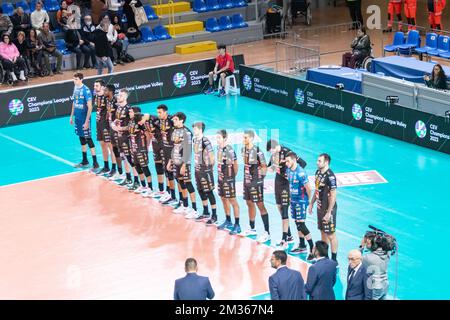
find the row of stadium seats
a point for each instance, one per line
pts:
(225, 23)
(49, 5)
(435, 45)
(213, 5)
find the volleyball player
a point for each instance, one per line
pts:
(325, 195)
(277, 163)
(255, 169)
(80, 116)
(204, 178)
(180, 164)
(140, 136)
(227, 168)
(111, 114)
(103, 129)
(300, 193)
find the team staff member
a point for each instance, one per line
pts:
(103, 129)
(204, 166)
(300, 192)
(410, 7)
(255, 168)
(80, 116)
(227, 169)
(285, 284)
(325, 195)
(180, 163)
(224, 67)
(277, 163)
(394, 8)
(435, 8)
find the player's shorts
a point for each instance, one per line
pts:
(157, 152)
(298, 210)
(103, 132)
(124, 144)
(79, 131)
(227, 73)
(329, 227)
(254, 191)
(204, 180)
(186, 177)
(140, 158)
(282, 193)
(226, 188)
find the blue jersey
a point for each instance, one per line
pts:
(81, 97)
(297, 182)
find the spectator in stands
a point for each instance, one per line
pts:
(129, 13)
(113, 7)
(103, 49)
(47, 38)
(62, 15)
(113, 40)
(21, 21)
(10, 58)
(75, 44)
(121, 35)
(38, 17)
(34, 52)
(361, 48)
(21, 45)
(438, 79)
(87, 35)
(75, 14)
(5, 23)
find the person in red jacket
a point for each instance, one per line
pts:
(435, 8)
(410, 8)
(394, 7)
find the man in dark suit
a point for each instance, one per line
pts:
(285, 284)
(321, 275)
(357, 278)
(192, 286)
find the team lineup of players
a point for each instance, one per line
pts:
(125, 135)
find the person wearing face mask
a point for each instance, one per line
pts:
(87, 35)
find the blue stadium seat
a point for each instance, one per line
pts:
(226, 4)
(24, 5)
(212, 5)
(225, 23)
(8, 9)
(442, 48)
(238, 21)
(431, 42)
(399, 39)
(412, 42)
(239, 3)
(147, 34)
(212, 25)
(52, 5)
(151, 15)
(199, 6)
(161, 33)
(61, 46)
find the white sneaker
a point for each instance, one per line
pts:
(148, 193)
(141, 189)
(248, 232)
(192, 214)
(174, 203)
(180, 210)
(117, 176)
(159, 194)
(165, 198)
(264, 237)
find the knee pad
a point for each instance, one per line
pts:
(83, 141)
(301, 226)
(90, 143)
(146, 172)
(284, 212)
(203, 195)
(212, 198)
(159, 168)
(116, 152)
(190, 187)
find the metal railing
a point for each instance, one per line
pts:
(293, 59)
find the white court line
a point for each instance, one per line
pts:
(38, 179)
(31, 147)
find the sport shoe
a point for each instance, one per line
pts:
(95, 168)
(192, 214)
(102, 171)
(165, 198)
(283, 245)
(210, 90)
(222, 93)
(125, 182)
(310, 257)
(202, 218)
(211, 222)
(134, 186)
(117, 176)
(159, 194)
(82, 165)
(236, 230)
(141, 189)
(180, 210)
(225, 225)
(110, 174)
(174, 203)
(248, 233)
(264, 237)
(299, 250)
(290, 239)
(147, 193)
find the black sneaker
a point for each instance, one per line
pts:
(95, 168)
(110, 173)
(290, 239)
(202, 218)
(82, 165)
(310, 257)
(102, 171)
(134, 186)
(211, 221)
(299, 250)
(125, 182)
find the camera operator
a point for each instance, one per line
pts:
(376, 262)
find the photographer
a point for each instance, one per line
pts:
(376, 262)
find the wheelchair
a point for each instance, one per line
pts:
(366, 63)
(301, 8)
(6, 76)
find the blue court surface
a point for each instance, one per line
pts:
(411, 203)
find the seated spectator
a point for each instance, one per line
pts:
(21, 45)
(75, 44)
(103, 49)
(10, 58)
(21, 21)
(129, 13)
(39, 17)
(62, 15)
(438, 79)
(87, 35)
(121, 34)
(5, 23)
(34, 52)
(47, 38)
(361, 48)
(113, 7)
(113, 40)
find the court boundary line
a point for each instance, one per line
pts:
(38, 179)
